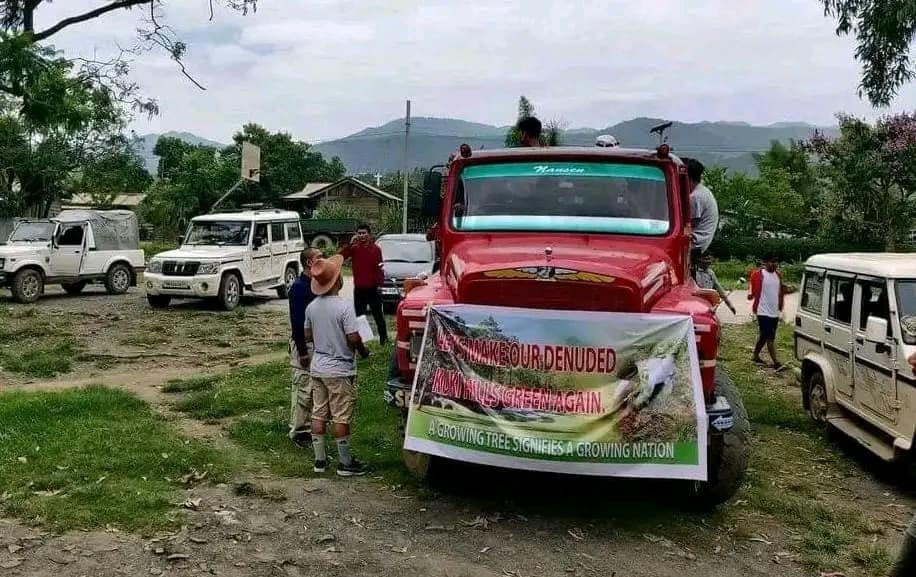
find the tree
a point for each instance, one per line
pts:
(112, 172)
(170, 151)
(551, 134)
(884, 30)
(871, 171)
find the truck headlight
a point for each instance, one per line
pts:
(2, 263)
(155, 266)
(208, 268)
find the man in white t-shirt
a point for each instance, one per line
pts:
(704, 213)
(767, 292)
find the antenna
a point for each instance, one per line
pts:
(660, 130)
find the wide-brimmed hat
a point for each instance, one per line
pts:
(325, 272)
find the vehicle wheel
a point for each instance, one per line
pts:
(117, 281)
(27, 286)
(728, 455)
(230, 291)
(817, 398)
(74, 288)
(158, 301)
(322, 242)
(420, 465)
(289, 277)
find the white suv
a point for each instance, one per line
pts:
(854, 331)
(223, 255)
(75, 248)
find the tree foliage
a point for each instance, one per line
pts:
(115, 171)
(884, 31)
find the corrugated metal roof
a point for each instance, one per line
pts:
(315, 189)
(85, 200)
(307, 191)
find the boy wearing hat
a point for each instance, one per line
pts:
(330, 324)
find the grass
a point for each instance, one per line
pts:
(794, 470)
(88, 458)
(35, 347)
(255, 402)
(729, 273)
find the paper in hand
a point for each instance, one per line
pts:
(365, 331)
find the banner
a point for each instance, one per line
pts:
(611, 394)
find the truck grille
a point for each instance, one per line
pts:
(180, 268)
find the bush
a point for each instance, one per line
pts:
(787, 250)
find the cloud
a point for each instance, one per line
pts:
(325, 68)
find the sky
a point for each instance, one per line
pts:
(323, 69)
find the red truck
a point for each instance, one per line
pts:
(616, 213)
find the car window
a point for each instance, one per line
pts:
(70, 235)
(813, 293)
(260, 231)
(840, 307)
(276, 232)
(292, 231)
(875, 303)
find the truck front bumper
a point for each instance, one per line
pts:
(199, 286)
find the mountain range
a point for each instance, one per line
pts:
(380, 148)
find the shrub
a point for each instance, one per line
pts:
(787, 250)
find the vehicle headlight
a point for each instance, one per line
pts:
(155, 266)
(208, 268)
(2, 263)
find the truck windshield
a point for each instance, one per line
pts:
(906, 303)
(218, 233)
(33, 232)
(592, 197)
(406, 251)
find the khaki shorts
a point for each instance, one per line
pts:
(333, 399)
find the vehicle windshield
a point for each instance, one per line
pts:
(592, 197)
(405, 251)
(33, 232)
(906, 305)
(218, 233)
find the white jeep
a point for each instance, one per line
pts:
(225, 254)
(73, 249)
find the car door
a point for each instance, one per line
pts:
(875, 385)
(809, 320)
(260, 253)
(278, 248)
(838, 331)
(68, 251)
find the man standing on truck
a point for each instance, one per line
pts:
(768, 294)
(300, 295)
(330, 325)
(704, 212)
(368, 276)
(529, 128)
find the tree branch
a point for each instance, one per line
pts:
(38, 36)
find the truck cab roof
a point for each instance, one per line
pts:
(562, 152)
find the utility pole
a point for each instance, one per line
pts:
(406, 158)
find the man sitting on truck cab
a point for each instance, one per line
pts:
(704, 212)
(529, 129)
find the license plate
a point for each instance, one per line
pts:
(176, 284)
(390, 291)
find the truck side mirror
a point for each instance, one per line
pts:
(180, 239)
(876, 330)
(432, 192)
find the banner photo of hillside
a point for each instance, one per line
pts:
(609, 394)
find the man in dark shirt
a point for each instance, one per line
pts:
(368, 276)
(529, 129)
(300, 295)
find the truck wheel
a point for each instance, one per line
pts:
(321, 242)
(27, 286)
(728, 454)
(74, 288)
(230, 291)
(158, 301)
(117, 281)
(420, 465)
(289, 277)
(817, 398)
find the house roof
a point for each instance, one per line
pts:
(83, 200)
(316, 189)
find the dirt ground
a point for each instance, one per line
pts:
(480, 525)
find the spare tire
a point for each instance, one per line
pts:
(321, 242)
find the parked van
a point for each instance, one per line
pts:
(854, 330)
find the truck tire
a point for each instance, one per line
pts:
(158, 301)
(423, 467)
(321, 242)
(28, 285)
(117, 281)
(289, 277)
(230, 291)
(728, 455)
(74, 288)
